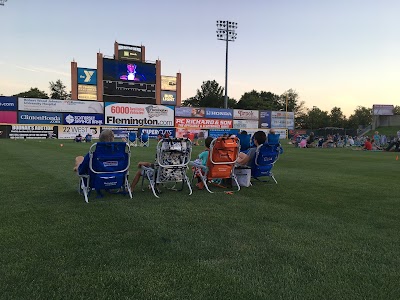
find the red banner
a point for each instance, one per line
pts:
(202, 123)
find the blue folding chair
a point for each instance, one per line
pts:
(265, 158)
(132, 138)
(244, 141)
(107, 169)
(144, 139)
(88, 138)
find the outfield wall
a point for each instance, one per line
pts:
(33, 118)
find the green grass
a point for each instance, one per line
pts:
(328, 230)
(388, 131)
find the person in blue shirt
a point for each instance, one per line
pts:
(82, 163)
(203, 157)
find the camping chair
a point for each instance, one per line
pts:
(265, 158)
(172, 159)
(144, 139)
(88, 138)
(132, 138)
(244, 141)
(221, 160)
(108, 169)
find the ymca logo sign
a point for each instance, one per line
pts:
(87, 76)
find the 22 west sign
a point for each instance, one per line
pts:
(138, 115)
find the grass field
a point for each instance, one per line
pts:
(328, 230)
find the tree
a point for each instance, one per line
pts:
(362, 117)
(337, 118)
(33, 93)
(260, 101)
(210, 94)
(57, 90)
(314, 118)
(396, 110)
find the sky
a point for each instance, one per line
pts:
(343, 53)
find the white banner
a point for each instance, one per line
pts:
(33, 104)
(282, 115)
(70, 132)
(245, 114)
(282, 123)
(281, 132)
(138, 115)
(245, 124)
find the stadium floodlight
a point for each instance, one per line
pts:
(226, 32)
(2, 2)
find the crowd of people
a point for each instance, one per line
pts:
(372, 142)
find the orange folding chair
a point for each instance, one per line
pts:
(221, 161)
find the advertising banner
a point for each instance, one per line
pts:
(154, 132)
(121, 132)
(8, 103)
(83, 119)
(87, 92)
(281, 131)
(9, 117)
(199, 134)
(31, 131)
(220, 132)
(245, 114)
(87, 76)
(168, 98)
(124, 54)
(245, 124)
(168, 83)
(219, 113)
(138, 115)
(188, 112)
(282, 115)
(70, 132)
(33, 104)
(282, 119)
(382, 110)
(29, 117)
(202, 123)
(265, 119)
(4, 131)
(282, 123)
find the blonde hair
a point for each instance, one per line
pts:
(106, 135)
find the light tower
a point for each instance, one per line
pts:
(226, 32)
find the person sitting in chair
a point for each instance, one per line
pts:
(244, 159)
(82, 163)
(78, 138)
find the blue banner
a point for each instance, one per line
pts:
(8, 103)
(83, 119)
(189, 112)
(219, 113)
(220, 132)
(87, 76)
(265, 119)
(154, 132)
(29, 117)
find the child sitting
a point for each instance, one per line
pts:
(202, 159)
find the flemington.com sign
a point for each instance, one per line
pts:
(138, 115)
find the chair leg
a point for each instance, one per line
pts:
(188, 184)
(237, 183)
(273, 177)
(84, 190)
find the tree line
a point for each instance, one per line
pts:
(210, 94)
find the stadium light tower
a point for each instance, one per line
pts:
(226, 32)
(2, 2)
